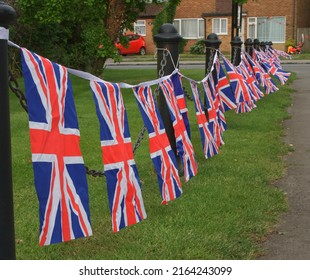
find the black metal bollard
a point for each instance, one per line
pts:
(7, 236)
(257, 44)
(236, 44)
(269, 44)
(263, 46)
(167, 39)
(249, 44)
(212, 44)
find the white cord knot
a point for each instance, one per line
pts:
(4, 33)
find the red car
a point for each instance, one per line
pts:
(136, 45)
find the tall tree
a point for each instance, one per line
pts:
(71, 31)
(166, 15)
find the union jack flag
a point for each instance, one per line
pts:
(161, 153)
(179, 93)
(184, 145)
(209, 145)
(216, 117)
(249, 76)
(223, 88)
(257, 71)
(254, 91)
(123, 183)
(59, 171)
(223, 96)
(280, 74)
(273, 56)
(237, 82)
(240, 88)
(261, 76)
(272, 68)
(281, 53)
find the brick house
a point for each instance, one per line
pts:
(144, 25)
(267, 20)
(276, 20)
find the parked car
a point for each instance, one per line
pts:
(136, 45)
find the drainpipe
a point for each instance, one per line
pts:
(293, 19)
(205, 27)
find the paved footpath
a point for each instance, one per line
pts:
(292, 238)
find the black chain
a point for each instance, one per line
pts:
(210, 64)
(14, 87)
(188, 96)
(94, 173)
(161, 73)
(139, 139)
(235, 53)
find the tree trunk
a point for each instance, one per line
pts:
(97, 66)
(115, 17)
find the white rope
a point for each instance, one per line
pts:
(4, 33)
(84, 75)
(150, 83)
(91, 77)
(10, 43)
(170, 55)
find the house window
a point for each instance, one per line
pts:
(252, 28)
(267, 28)
(140, 27)
(190, 28)
(219, 26)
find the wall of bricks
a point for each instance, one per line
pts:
(150, 46)
(194, 8)
(223, 6)
(300, 14)
(303, 9)
(272, 8)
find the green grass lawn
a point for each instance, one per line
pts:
(302, 56)
(224, 213)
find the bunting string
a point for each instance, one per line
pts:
(59, 170)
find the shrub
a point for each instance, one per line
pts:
(182, 45)
(290, 42)
(198, 48)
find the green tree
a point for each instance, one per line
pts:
(79, 34)
(166, 15)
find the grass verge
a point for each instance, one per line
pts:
(223, 213)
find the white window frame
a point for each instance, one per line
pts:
(255, 23)
(252, 21)
(140, 23)
(198, 20)
(221, 31)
